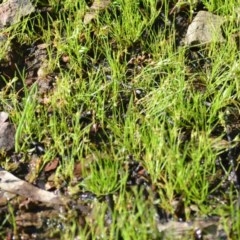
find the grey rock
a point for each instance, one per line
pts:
(3, 117)
(7, 133)
(205, 28)
(12, 11)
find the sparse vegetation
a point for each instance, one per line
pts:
(144, 129)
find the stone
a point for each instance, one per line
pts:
(205, 28)
(3, 117)
(12, 11)
(7, 133)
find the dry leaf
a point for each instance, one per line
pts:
(51, 165)
(94, 9)
(12, 184)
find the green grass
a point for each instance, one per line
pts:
(150, 128)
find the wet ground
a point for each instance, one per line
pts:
(35, 220)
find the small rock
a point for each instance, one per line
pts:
(93, 11)
(3, 117)
(12, 11)
(205, 28)
(7, 133)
